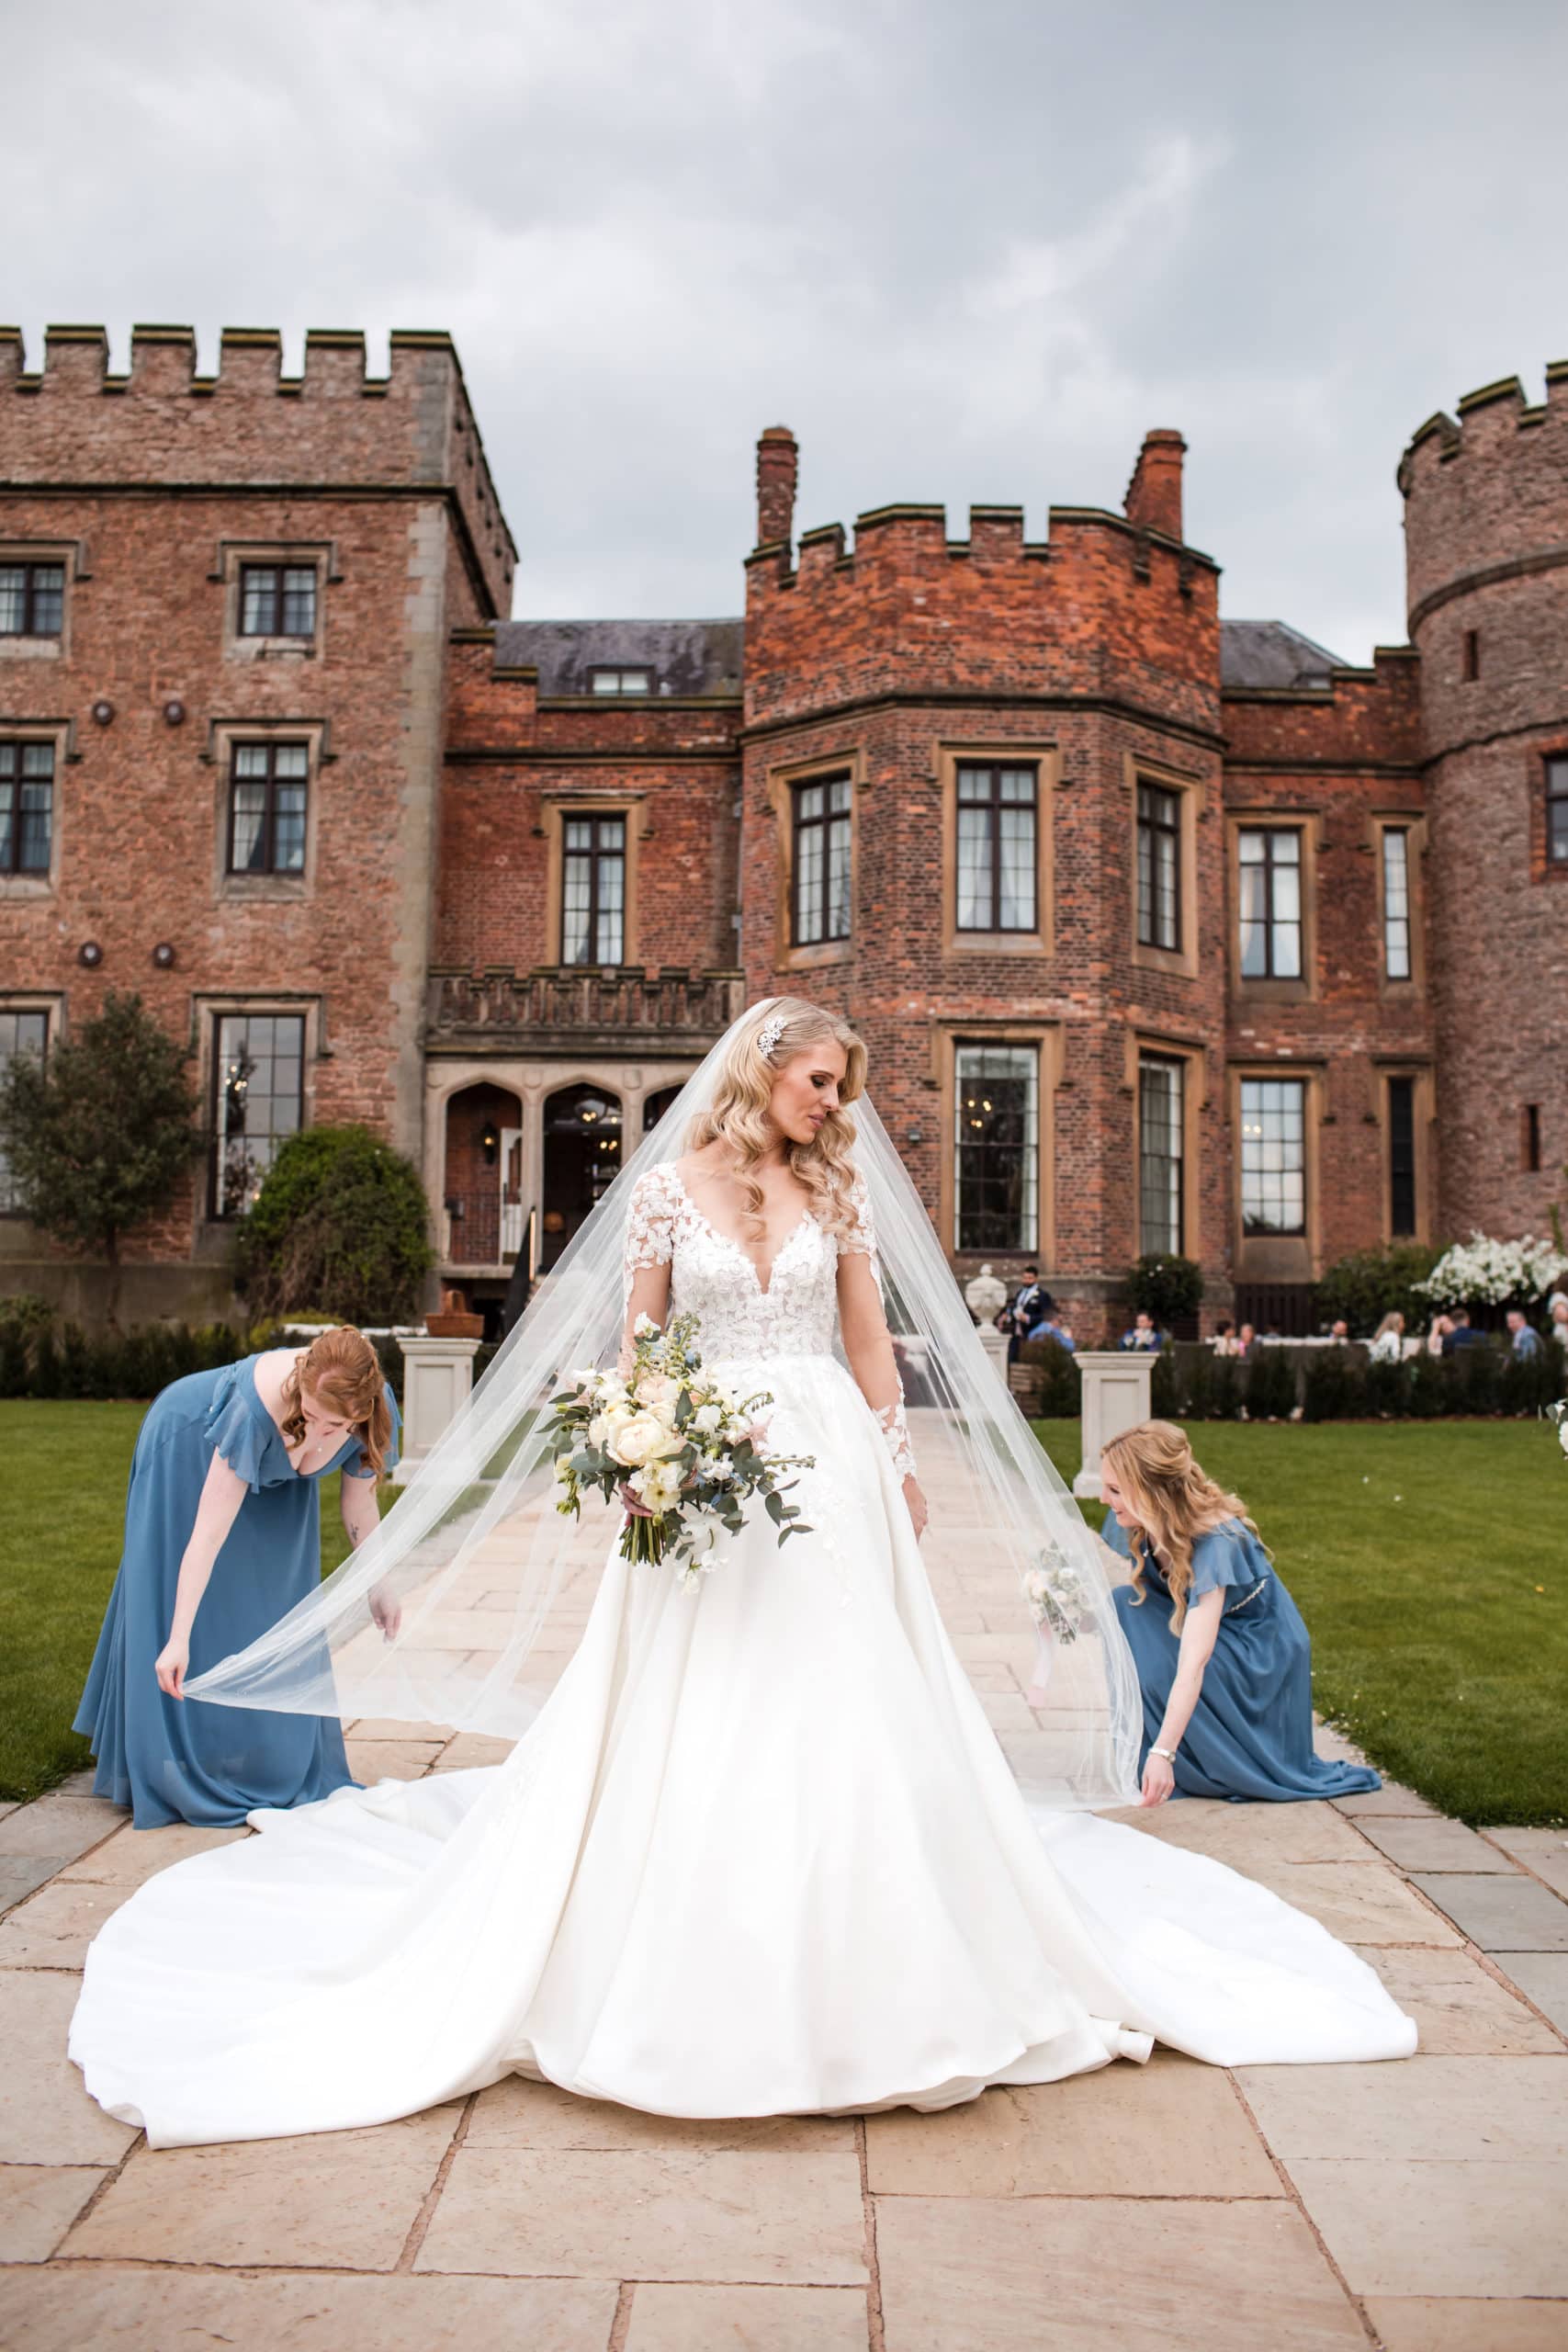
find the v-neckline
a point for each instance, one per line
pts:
(272, 1422)
(764, 1289)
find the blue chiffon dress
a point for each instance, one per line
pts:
(1250, 1737)
(184, 1760)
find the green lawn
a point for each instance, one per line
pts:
(1430, 1561)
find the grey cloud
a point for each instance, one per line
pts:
(968, 253)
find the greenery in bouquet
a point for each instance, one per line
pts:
(684, 1452)
(1056, 1593)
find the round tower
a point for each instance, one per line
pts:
(1486, 566)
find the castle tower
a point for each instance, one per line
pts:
(1486, 556)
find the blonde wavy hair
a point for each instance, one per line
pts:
(739, 1113)
(344, 1375)
(1176, 1502)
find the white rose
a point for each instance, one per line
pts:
(658, 1390)
(708, 1418)
(643, 1437)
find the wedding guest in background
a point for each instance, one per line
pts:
(1524, 1342)
(1388, 1339)
(1246, 1341)
(1143, 1333)
(1224, 1660)
(1437, 1337)
(222, 1536)
(1048, 1328)
(1462, 1333)
(1557, 1327)
(1030, 1302)
(1225, 1341)
(1339, 1332)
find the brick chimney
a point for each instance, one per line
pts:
(1153, 494)
(778, 464)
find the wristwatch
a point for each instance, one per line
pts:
(1169, 1753)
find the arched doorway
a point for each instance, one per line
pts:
(483, 1191)
(582, 1159)
(654, 1105)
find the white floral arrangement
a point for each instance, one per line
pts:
(1056, 1593)
(1558, 1416)
(684, 1454)
(1493, 1271)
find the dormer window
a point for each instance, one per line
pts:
(277, 600)
(620, 679)
(32, 599)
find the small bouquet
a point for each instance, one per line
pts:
(685, 1453)
(1054, 1592)
(1558, 1416)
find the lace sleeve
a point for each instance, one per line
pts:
(861, 1240)
(650, 1226)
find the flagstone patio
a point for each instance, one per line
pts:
(1171, 2207)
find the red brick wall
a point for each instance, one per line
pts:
(1486, 527)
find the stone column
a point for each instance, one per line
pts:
(1114, 1397)
(438, 1378)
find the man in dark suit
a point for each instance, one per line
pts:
(1464, 1335)
(1031, 1303)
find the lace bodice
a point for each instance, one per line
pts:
(713, 1276)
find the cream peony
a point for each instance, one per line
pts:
(643, 1438)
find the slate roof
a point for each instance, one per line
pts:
(686, 657)
(1271, 653)
(703, 657)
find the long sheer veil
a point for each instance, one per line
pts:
(476, 1554)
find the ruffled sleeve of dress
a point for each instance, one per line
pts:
(1226, 1556)
(357, 1466)
(650, 1221)
(238, 1427)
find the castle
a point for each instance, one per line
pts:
(1165, 931)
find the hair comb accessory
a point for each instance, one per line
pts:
(768, 1034)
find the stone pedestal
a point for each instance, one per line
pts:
(438, 1378)
(995, 1344)
(1114, 1397)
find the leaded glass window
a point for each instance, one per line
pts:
(997, 1147)
(998, 820)
(20, 1032)
(594, 884)
(1273, 1154)
(259, 1099)
(32, 599)
(1396, 904)
(1159, 1153)
(821, 813)
(1270, 894)
(27, 806)
(1160, 867)
(277, 600)
(267, 787)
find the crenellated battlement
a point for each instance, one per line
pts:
(1359, 718)
(74, 422)
(1104, 604)
(1485, 491)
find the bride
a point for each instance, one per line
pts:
(759, 1850)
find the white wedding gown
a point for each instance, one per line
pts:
(761, 1853)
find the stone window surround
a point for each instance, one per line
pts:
(206, 1011)
(1286, 1256)
(948, 1033)
(1044, 757)
(72, 555)
(51, 1004)
(1308, 823)
(1171, 1047)
(555, 805)
(779, 789)
(223, 734)
(1414, 828)
(1422, 1119)
(1191, 793)
(1543, 868)
(58, 732)
(231, 557)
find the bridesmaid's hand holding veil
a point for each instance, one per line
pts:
(388, 1613)
(171, 1666)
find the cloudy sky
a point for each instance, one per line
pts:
(970, 250)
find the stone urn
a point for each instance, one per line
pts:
(985, 1295)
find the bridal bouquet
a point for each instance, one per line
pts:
(1054, 1592)
(684, 1453)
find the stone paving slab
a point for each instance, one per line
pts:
(53, 1928)
(521, 2114)
(1459, 2006)
(747, 2319)
(1090, 2136)
(46, 2117)
(131, 1856)
(37, 2205)
(336, 2201)
(1477, 2110)
(1543, 1853)
(58, 1826)
(676, 2213)
(105, 2308)
(1361, 1903)
(1102, 2274)
(1543, 1975)
(1427, 2323)
(1439, 2227)
(1389, 1798)
(1422, 1842)
(1501, 1915)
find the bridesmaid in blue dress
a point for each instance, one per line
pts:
(1224, 1660)
(222, 1511)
